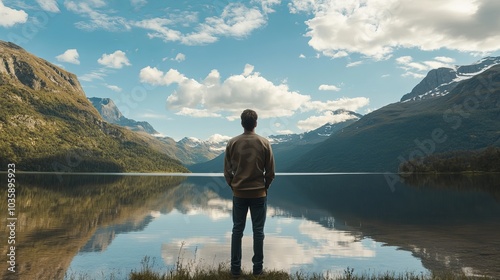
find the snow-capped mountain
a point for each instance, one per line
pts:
(287, 148)
(192, 151)
(213, 144)
(441, 81)
(321, 133)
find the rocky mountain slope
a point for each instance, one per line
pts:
(110, 113)
(48, 124)
(467, 118)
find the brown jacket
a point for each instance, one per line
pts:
(249, 165)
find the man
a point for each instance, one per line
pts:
(249, 171)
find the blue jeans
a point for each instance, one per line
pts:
(258, 209)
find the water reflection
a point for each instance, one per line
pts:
(97, 224)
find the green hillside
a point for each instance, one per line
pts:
(47, 124)
(468, 118)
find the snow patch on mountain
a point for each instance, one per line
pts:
(439, 82)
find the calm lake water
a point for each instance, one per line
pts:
(101, 225)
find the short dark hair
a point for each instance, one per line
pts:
(249, 119)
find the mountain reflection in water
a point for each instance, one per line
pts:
(96, 224)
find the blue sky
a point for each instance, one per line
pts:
(190, 67)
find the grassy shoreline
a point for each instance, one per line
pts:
(195, 271)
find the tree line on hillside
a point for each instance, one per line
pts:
(485, 160)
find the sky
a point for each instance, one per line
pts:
(190, 68)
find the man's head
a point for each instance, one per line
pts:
(249, 119)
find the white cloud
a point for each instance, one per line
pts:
(375, 28)
(419, 69)
(94, 75)
(212, 97)
(355, 63)
(267, 5)
(152, 75)
(49, 5)
(286, 131)
(197, 113)
(114, 88)
(217, 138)
(96, 19)
(69, 56)
(327, 117)
(329, 87)
(116, 60)
(444, 59)
(180, 57)
(160, 29)
(248, 70)
(302, 56)
(236, 20)
(351, 104)
(10, 17)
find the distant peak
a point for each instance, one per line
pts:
(440, 81)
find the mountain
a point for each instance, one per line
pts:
(319, 134)
(188, 150)
(110, 113)
(48, 124)
(287, 148)
(441, 81)
(466, 118)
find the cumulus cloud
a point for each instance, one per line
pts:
(69, 56)
(217, 138)
(49, 5)
(375, 28)
(180, 57)
(419, 69)
(10, 17)
(214, 97)
(116, 60)
(329, 87)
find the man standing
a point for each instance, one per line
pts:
(249, 171)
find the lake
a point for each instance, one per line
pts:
(98, 225)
